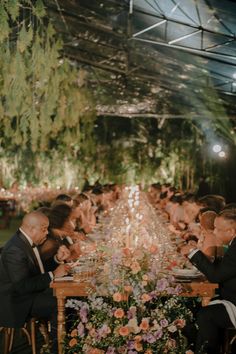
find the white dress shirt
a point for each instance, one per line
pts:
(36, 252)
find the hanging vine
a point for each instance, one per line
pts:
(46, 108)
(41, 102)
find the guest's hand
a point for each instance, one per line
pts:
(181, 225)
(75, 250)
(185, 250)
(193, 243)
(61, 270)
(63, 253)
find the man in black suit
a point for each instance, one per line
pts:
(24, 283)
(220, 313)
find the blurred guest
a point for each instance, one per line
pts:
(63, 199)
(191, 208)
(203, 188)
(164, 195)
(177, 214)
(230, 206)
(154, 193)
(14, 187)
(214, 201)
(208, 243)
(85, 213)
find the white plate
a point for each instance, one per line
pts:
(193, 273)
(66, 278)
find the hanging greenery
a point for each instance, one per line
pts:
(47, 119)
(41, 101)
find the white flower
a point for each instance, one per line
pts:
(133, 325)
(172, 328)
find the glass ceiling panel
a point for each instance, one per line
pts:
(191, 42)
(228, 49)
(150, 6)
(211, 40)
(181, 10)
(150, 25)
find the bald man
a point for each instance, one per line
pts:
(24, 283)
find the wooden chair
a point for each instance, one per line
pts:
(8, 339)
(229, 340)
(29, 330)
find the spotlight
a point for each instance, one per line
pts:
(222, 154)
(216, 148)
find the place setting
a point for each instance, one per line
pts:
(184, 275)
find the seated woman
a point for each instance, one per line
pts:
(154, 192)
(191, 208)
(176, 214)
(84, 213)
(61, 228)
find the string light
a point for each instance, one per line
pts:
(222, 154)
(216, 148)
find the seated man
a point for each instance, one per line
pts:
(24, 283)
(220, 313)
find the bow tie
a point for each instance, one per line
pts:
(34, 245)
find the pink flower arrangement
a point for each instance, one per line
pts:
(139, 313)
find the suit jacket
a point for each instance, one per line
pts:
(20, 281)
(222, 271)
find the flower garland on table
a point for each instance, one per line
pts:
(140, 312)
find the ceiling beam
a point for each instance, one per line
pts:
(159, 116)
(202, 53)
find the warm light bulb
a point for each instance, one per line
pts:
(222, 154)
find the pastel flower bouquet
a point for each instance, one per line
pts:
(139, 310)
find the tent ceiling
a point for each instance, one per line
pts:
(172, 58)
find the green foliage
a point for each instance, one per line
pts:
(4, 26)
(24, 39)
(41, 103)
(47, 118)
(12, 7)
(39, 9)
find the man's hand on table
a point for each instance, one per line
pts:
(61, 270)
(187, 249)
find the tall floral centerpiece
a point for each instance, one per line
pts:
(136, 307)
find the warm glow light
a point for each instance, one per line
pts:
(216, 148)
(222, 154)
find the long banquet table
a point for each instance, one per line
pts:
(63, 289)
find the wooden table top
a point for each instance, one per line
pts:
(198, 287)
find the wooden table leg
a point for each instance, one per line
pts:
(61, 322)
